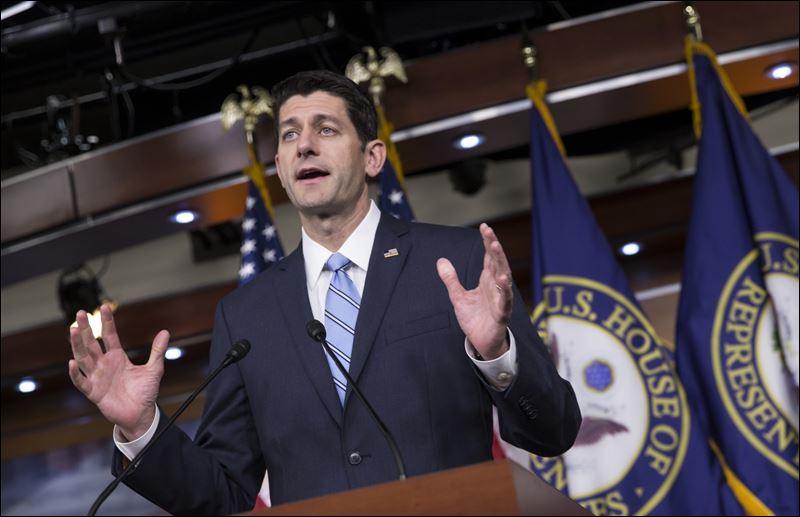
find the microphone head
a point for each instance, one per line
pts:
(316, 330)
(239, 350)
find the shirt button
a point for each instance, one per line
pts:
(503, 376)
(355, 458)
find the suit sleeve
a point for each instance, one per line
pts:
(221, 471)
(538, 412)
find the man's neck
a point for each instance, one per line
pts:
(332, 232)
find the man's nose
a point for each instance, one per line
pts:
(306, 144)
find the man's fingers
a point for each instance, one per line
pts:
(449, 277)
(160, 343)
(79, 350)
(109, 331)
(497, 262)
(78, 379)
(503, 285)
(91, 345)
(489, 238)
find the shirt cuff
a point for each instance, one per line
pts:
(131, 449)
(499, 372)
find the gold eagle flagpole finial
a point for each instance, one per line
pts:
(246, 106)
(373, 70)
(249, 107)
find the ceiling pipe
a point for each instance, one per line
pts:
(73, 21)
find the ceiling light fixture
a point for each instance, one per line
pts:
(80, 289)
(173, 353)
(184, 216)
(631, 248)
(469, 141)
(27, 385)
(15, 9)
(781, 70)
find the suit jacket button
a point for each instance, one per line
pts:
(355, 458)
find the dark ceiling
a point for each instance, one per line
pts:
(66, 90)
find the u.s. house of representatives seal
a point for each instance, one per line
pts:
(635, 429)
(754, 348)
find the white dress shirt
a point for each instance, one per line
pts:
(498, 372)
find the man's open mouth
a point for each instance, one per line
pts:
(311, 173)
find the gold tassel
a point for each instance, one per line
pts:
(536, 93)
(751, 504)
(255, 171)
(385, 129)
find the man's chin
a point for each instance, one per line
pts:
(319, 208)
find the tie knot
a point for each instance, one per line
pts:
(337, 261)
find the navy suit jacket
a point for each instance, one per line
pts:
(277, 409)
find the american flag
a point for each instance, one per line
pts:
(392, 197)
(261, 246)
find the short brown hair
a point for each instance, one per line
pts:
(359, 106)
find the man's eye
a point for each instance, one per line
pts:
(289, 135)
(327, 131)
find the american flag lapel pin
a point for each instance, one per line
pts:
(390, 253)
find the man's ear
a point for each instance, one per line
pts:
(375, 153)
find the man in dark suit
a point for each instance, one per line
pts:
(431, 356)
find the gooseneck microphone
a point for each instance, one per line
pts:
(316, 331)
(236, 353)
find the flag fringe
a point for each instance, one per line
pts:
(750, 502)
(255, 171)
(536, 93)
(385, 129)
(691, 46)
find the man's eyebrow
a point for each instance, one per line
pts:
(316, 120)
(288, 122)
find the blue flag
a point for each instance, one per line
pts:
(391, 196)
(639, 449)
(391, 192)
(261, 246)
(737, 335)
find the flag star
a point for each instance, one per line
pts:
(396, 197)
(269, 255)
(250, 202)
(248, 269)
(269, 232)
(248, 246)
(248, 224)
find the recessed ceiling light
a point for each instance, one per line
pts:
(184, 216)
(631, 248)
(469, 141)
(781, 70)
(173, 353)
(27, 385)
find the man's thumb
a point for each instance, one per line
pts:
(449, 277)
(160, 343)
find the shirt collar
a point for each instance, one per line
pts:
(357, 247)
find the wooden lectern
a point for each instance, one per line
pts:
(491, 488)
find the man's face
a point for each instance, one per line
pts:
(320, 161)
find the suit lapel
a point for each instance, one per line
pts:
(381, 278)
(292, 293)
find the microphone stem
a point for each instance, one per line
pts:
(389, 439)
(137, 459)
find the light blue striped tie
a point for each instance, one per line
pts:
(341, 312)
